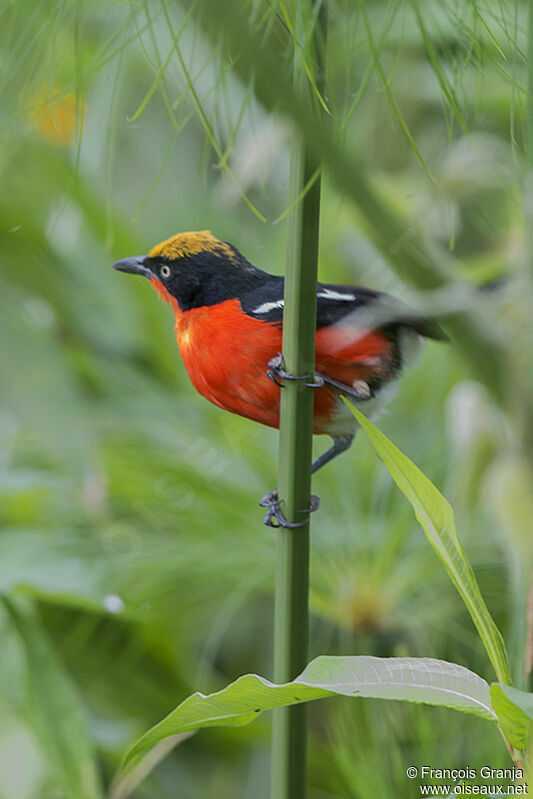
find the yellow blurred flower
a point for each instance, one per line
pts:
(53, 114)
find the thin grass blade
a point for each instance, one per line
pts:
(436, 517)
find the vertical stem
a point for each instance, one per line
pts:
(295, 451)
(528, 214)
(529, 108)
(527, 401)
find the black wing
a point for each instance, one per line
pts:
(335, 303)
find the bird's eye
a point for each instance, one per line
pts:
(165, 271)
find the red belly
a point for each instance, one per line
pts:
(226, 354)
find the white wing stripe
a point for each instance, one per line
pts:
(268, 306)
(328, 294)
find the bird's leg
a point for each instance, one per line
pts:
(275, 370)
(274, 515)
(340, 444)
(359, 390)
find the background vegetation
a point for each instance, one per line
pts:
(132, 552)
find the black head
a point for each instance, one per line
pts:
(195, 269)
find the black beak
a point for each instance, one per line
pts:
(134, 265)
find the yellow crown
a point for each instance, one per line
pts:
(192, 243)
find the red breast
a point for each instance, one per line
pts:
(226, 355)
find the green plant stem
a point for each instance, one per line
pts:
(291, 618)
(526, 432)
(528, 213)
(529, 109)
(295, 452)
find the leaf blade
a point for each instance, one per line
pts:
(436, 517)
(514, 709)
(424, 680)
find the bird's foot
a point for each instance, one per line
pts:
(360, 390)
(274, 515)
(276, 371)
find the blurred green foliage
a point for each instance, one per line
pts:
(130, 537)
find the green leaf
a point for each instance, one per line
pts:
(139, 768)
(436, 517)
(55, 710)
(514, 709)
(433, 682)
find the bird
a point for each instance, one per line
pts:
(228, 323)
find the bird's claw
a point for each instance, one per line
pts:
(275, 370)
(274, 516)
